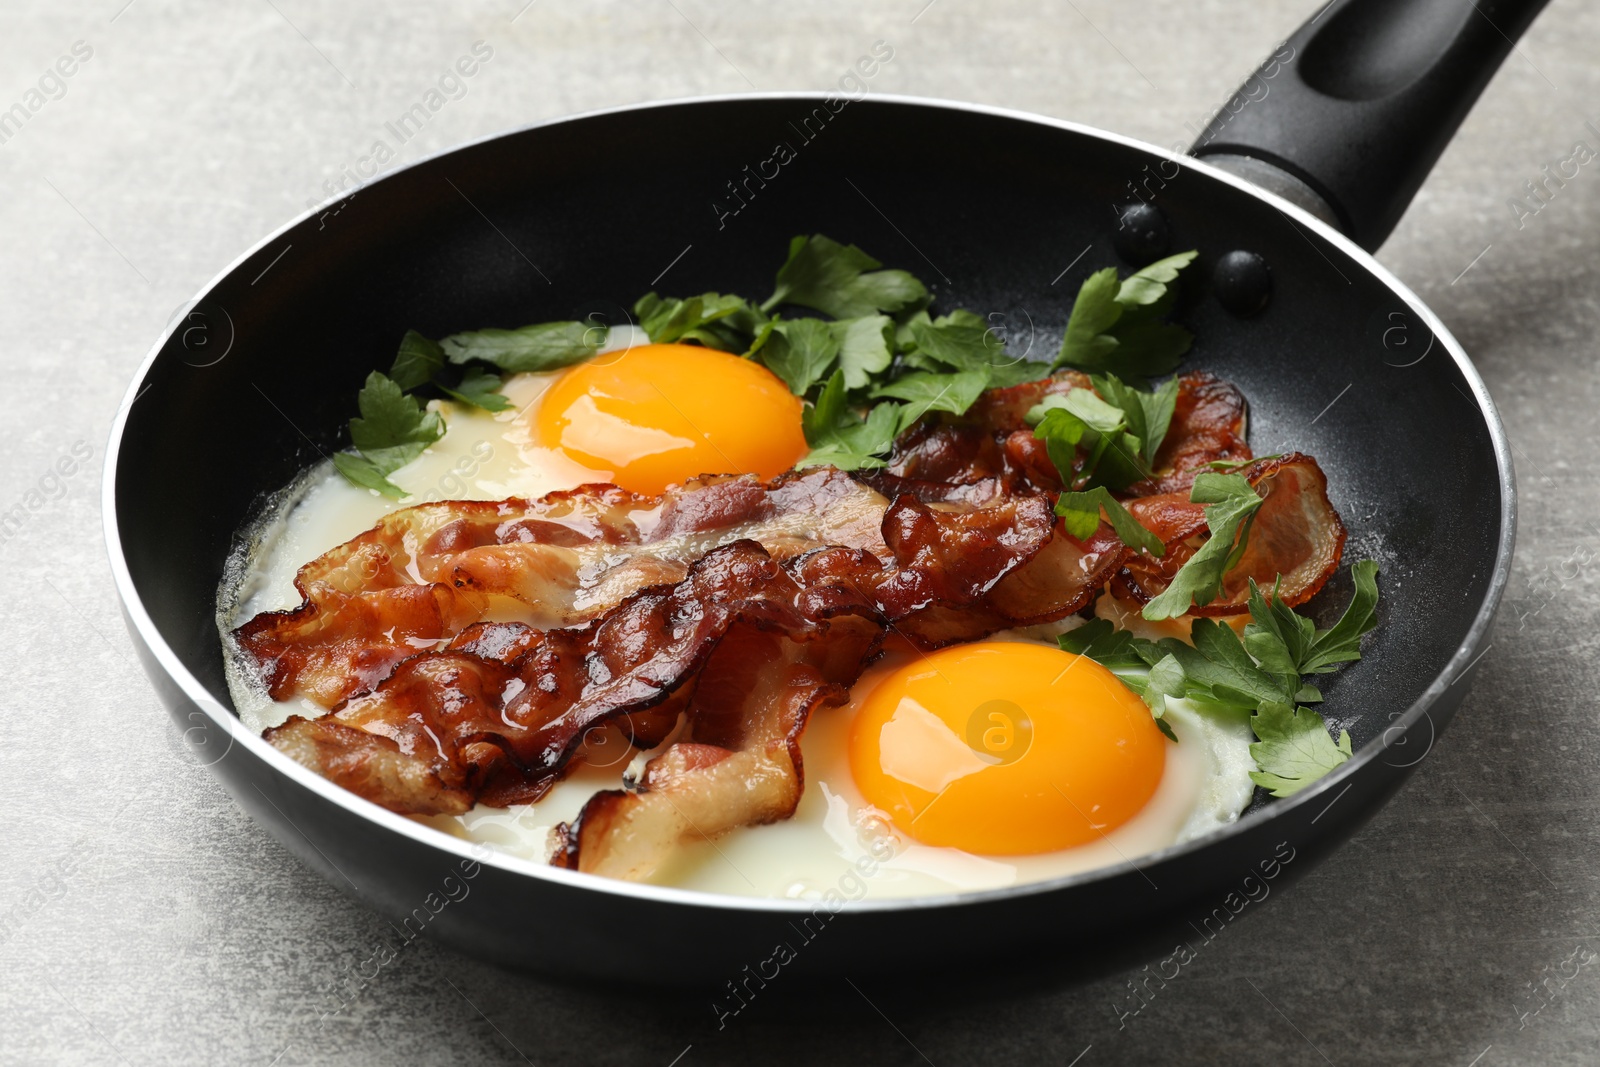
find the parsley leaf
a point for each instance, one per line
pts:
(1150, 287)
(865, 348)
(1086, 343)
(1128, 657)
(1115, 327)
(480, 388)
(1261, 674)
(1229, 466)
(418, 360)
(927, 391)
(1342, 642)
(1080, 514)
(800, 351)
(543, 346)
(840, 437)
(392, 430)
(960, 340)
(361, 471)
(1148, 415)
(1279, 634)
(1080, 419)
(1231, 511)
(841, 281)
(1294, 749)
(1111, 461)
(1222, 675)
(724, 322)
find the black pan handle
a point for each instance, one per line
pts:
(1350, 113)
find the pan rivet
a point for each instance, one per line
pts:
(1143, 235)
(1242, 282)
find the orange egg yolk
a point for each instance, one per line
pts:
(1005, 749)
(659, 414)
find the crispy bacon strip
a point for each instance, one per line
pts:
(738, 763)
(497, 716)
(1296, 534)
(454, 727)
(421, 575)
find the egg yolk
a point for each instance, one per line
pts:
(658, 414)
(1005, 749)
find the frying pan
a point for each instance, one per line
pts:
(1001, 212)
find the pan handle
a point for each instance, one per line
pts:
(1349, 114)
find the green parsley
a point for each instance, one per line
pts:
(1232, 505)
(1294, 749)
(1101, 445)
(479, 388)
(926, 391)
(1079, 419)
(841, 438)
(876, 363)
(1280, 636)
(1080, 514)
(866, 348)
(1148, 414)
(545, 346)
(801, 351)
(1233, 466)
(841, 281)
(1262, 674)
(724, 322)
(418, 360)
(392, 430)
(894, 362)
(1116, 325)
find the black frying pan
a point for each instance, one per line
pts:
(1002, 212)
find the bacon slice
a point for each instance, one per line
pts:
(421, 575)
(1061, 579)
(1208, 424)
(738, 764)
(424, 574)
(452, 727)
(497, 716)
(1296, 534)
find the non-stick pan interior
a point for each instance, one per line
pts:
(999, 214)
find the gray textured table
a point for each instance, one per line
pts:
(143, 919)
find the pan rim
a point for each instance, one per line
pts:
(228, 720)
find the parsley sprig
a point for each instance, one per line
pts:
(1100, 446)
(395, 425)
(1104, 439)
(1231, 506)
(1262, 673)
(1118, 325)
(876, 363)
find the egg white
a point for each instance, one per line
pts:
(834, 835)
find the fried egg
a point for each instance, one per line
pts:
(654, 415)
(983, 765)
